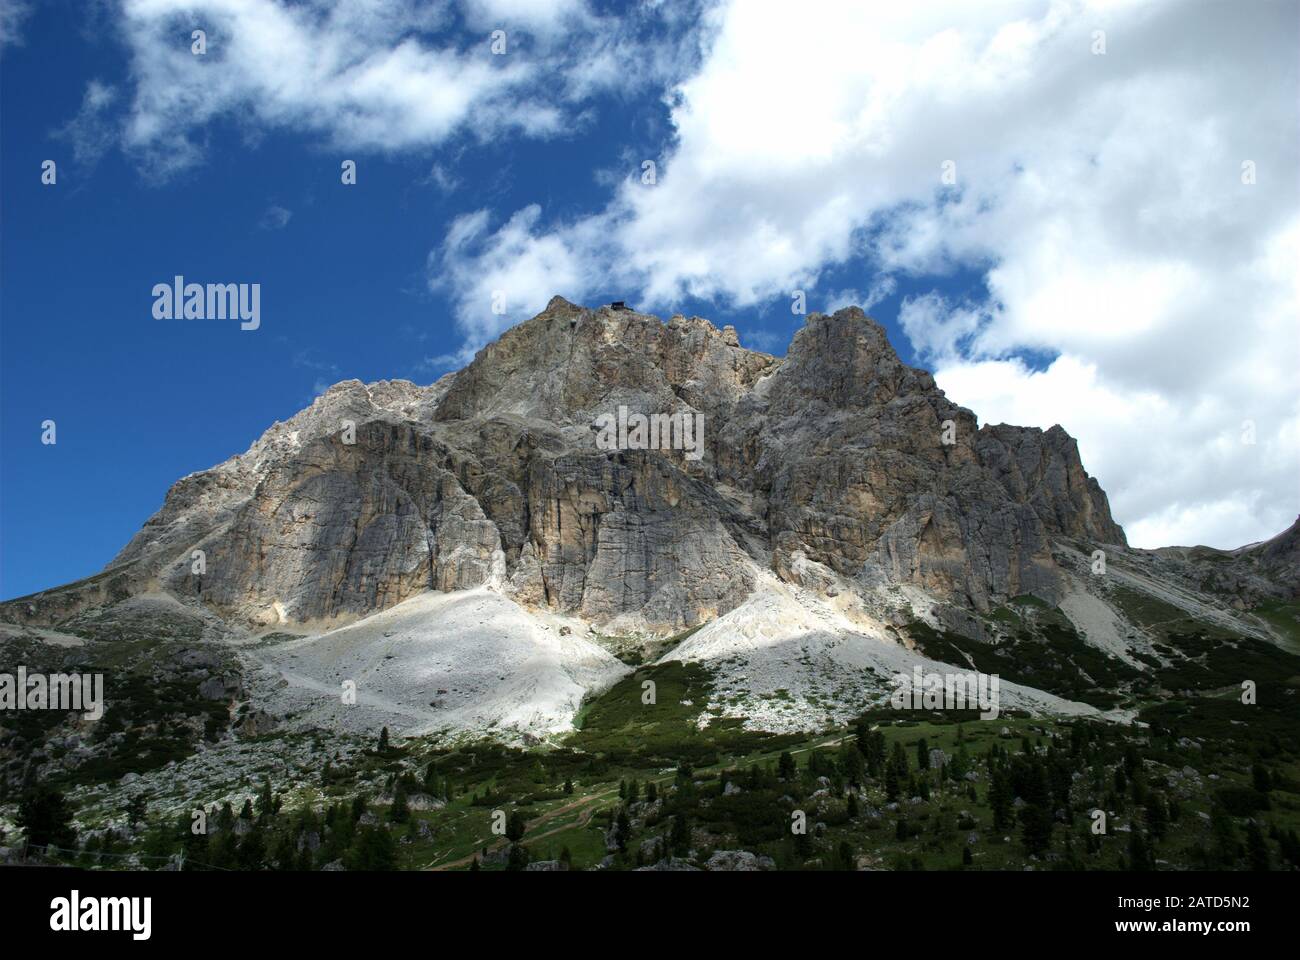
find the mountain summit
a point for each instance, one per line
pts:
(599, 485)
(839, 454)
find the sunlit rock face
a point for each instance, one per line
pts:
(838, 459)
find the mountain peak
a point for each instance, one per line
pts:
(839, 454)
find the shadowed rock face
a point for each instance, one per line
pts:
(493, 474)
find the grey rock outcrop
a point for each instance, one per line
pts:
(838, 463)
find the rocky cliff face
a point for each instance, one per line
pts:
(839, 456)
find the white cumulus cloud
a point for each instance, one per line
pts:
(1121, 175)
(376, 75)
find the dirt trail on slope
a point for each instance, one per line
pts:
(584, 818)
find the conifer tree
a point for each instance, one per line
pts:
(1257, 848)
(896, 771)
(785, 766)
(1139, 854)
(1157, 816)
(622, 828)
(46, 817)
(680, 837)
(516, 827)
(1001, 798)
(400, 812)
(265, 799)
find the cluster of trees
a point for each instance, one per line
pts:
(1044, 793)
(302, 840)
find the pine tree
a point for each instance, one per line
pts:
(1289, 842)
(862, 736)
(1225, 847)
(252, 850)
(1036, 823)
(400, 812)
(960, 764)
(45, 816)
(1157, 816)
(1257, 848)
(1139, 853)
(1001, 798)
(846, 855)
(852, 766)
(223, 851)
(383, 741)
(373, 848)
(874, 753)
(283, 853)
(680, 837)
(516, 827)
(194, 846)
(896, 771)
(785, 766)
(265, 799)
(137, 809)
(518, 858)
(622, 828)
(922, 755)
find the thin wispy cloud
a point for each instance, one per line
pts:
(13, 14)
(275, 217)
(92, 131)
(384, 76)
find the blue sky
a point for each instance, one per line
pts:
(233, 176)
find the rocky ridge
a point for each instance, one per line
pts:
(836, 453)
(840, 498)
